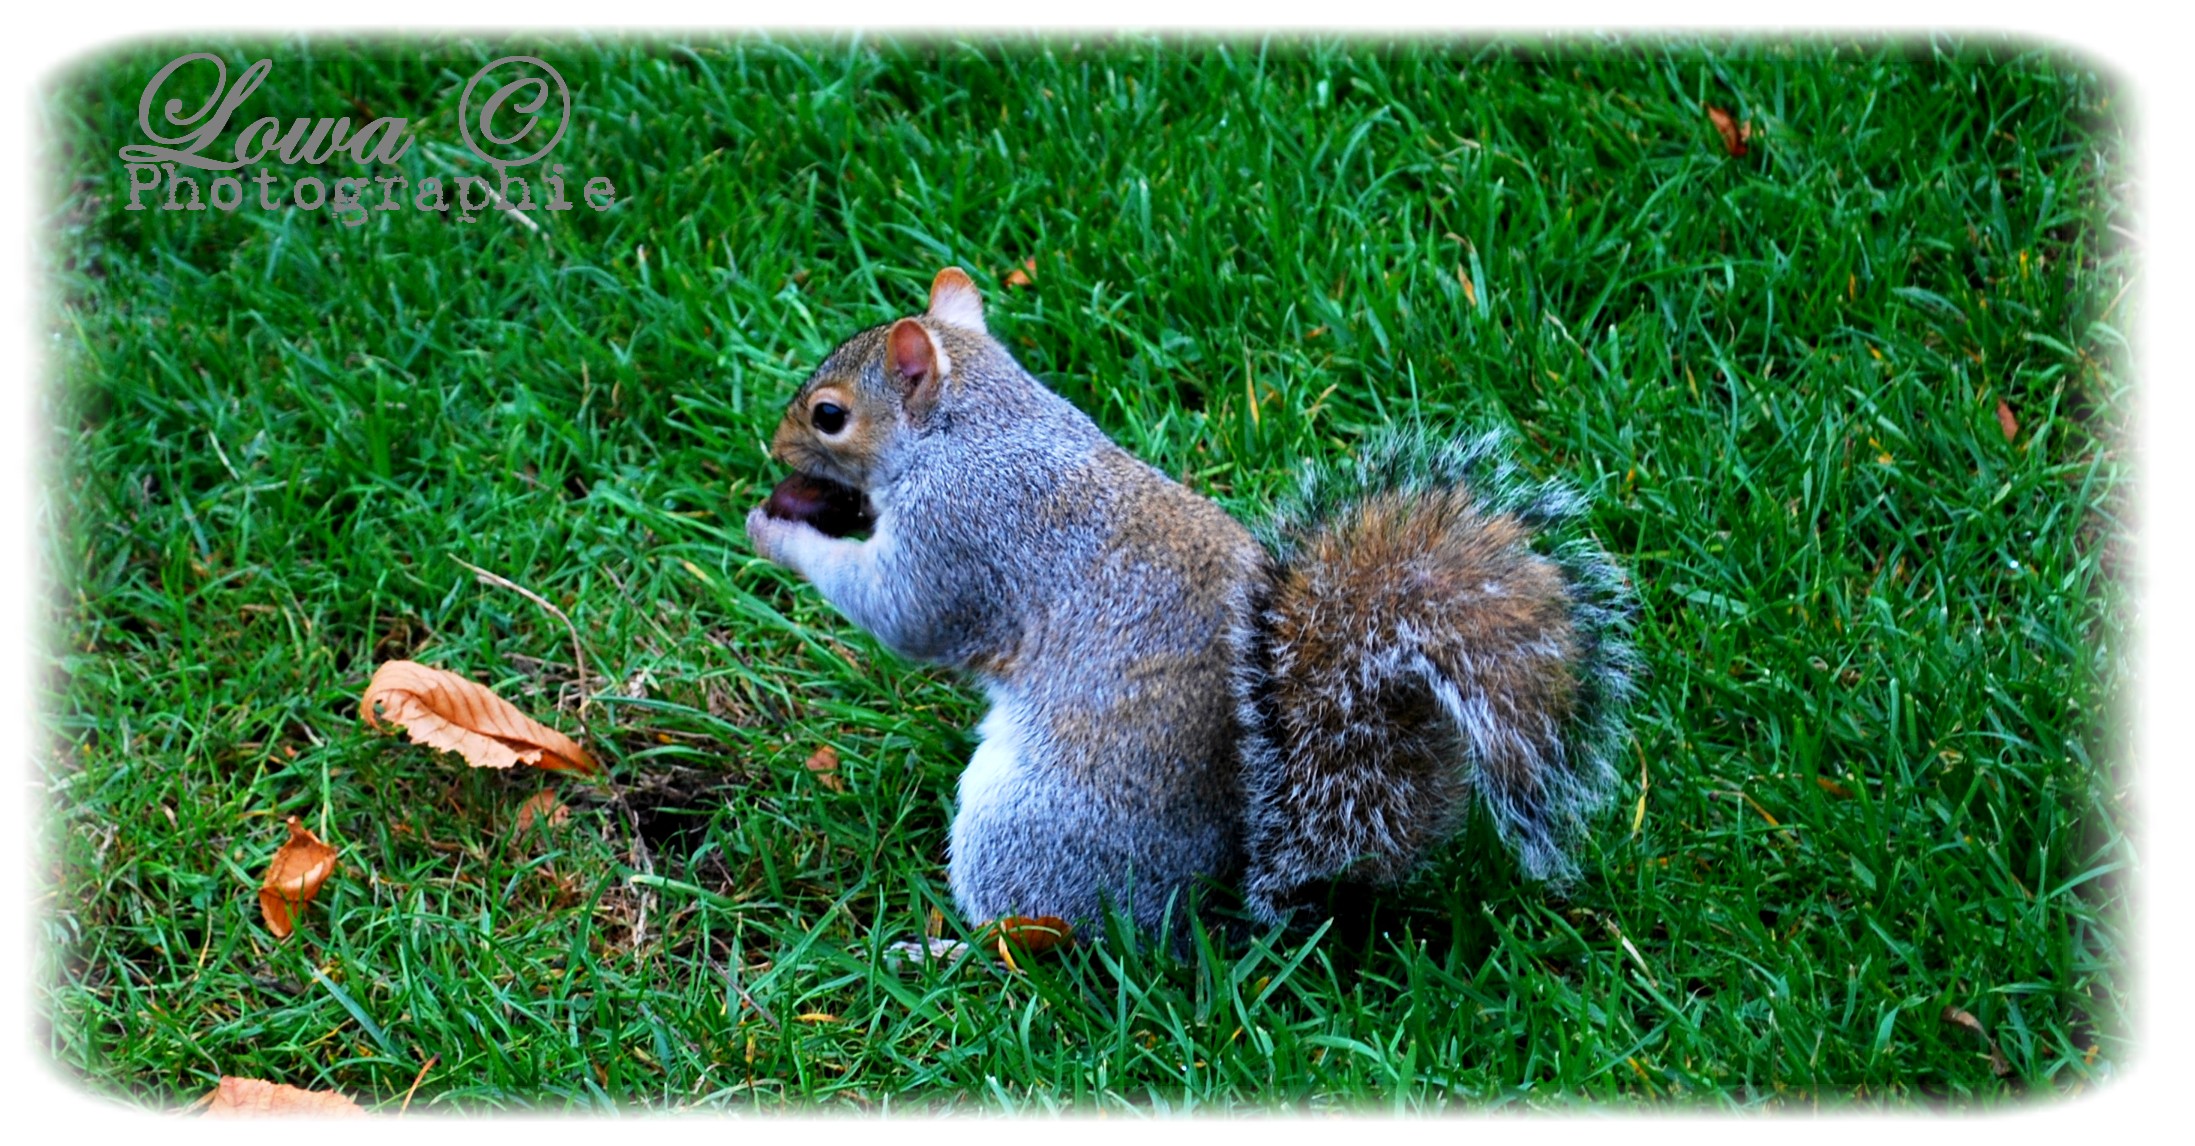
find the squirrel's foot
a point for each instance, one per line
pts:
(910, 952)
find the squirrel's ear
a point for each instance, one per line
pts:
(915, 363)
(954, 301)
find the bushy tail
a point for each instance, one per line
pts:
(1438, 628)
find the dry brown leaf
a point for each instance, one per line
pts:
(1833, 788)
(444, 710)
(1022, 275)
(300, 866)
(1734, 134)
(258, 1098)
(543, 805)
(824, 766)
(1958, 1018)
(1036, 934)
(1033, 935)
(2006, 422)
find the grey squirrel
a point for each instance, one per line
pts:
(1173, 698)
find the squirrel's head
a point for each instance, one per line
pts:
(880, 387)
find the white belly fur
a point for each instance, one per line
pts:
(993, 770)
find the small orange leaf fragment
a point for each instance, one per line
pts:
(543, 807)
(2006, 421)
(416, 1080)
(1734, 135)
(1022, 275)
(1833, 788)
(444, 710)
(299, 867)
(258, 1098)
(824, 766)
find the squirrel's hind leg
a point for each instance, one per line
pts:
(983, 816)
(1017, 845)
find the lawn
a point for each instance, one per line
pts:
(1852, 406)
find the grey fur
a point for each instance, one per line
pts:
(1014, 540)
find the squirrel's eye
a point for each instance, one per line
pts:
(829, 417)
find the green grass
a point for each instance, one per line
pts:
(1880, 761)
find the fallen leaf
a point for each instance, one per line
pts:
(824, 766)
(1033, 935)
(1958, 1018)
(1734, 134)
(1833, 788)
(1022, 275)
(258, 1098)
(444, 710)
(300, 866)
(2006, 422)
(543, 805)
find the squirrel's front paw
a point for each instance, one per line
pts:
(774, 537)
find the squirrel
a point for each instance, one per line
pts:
(1174, 698)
